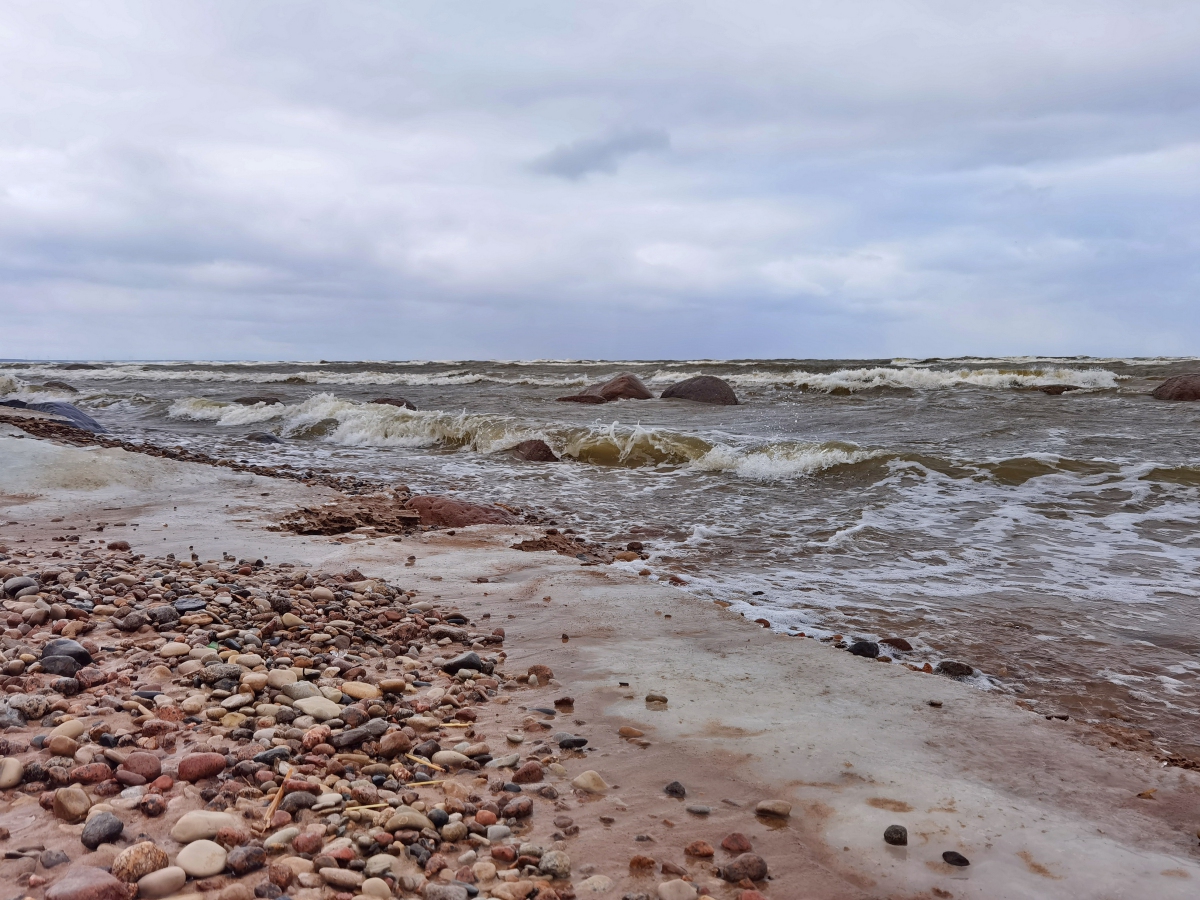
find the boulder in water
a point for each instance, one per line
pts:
(1178, 387)
(263, 437)
(702, 389)
(1056, 390)
(625, 386)
(396, 401)
(253, 401)
(450, 513)
(534, 451)
(61, 386)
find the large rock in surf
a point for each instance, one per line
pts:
(253, 401)
(702, 389)
(395, 401)
(1178, 387)
(534, 451)
(449, 513)
(625, 386)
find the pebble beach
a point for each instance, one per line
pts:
(199, 702)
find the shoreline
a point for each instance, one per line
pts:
(850, 743)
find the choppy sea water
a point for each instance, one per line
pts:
(1049, 541)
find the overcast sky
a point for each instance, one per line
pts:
(608, 180)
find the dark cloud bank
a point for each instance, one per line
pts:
(432, 180)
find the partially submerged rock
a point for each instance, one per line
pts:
(625, 386)
(702, 389)
(400, 402)
(1179, 387)
(534, 451)
(449, 513)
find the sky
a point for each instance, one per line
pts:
(458, 180)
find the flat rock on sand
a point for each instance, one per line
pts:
(87, 883)
(449, 513)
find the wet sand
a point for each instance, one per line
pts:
(1039, 807)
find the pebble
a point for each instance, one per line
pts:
(202, 859)
(675, 789)
(698, 809)
(200, 824)
(341, 878)
(677, 889)
(774, 809)
(11, 772)
(87, 883)
(595, 884)
(954, 858)
(197, 766)
(747, 865)
(556, 864)
(134, 863)
(896, 835)
(590, 782)
(71, 803)
(162, 883)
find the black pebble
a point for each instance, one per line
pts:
(896, 835)
(675, 789)
(869, 649)
(438, 817)
(954, 858)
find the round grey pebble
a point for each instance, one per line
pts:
(103, 828)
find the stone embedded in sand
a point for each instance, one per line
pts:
(555, 863)
(954, 858)
(542, 673)
(530, 773)
(596, 884)
(301, 690)
(200, 824)
(628, 731)
(202, 859)
(675, 789)
(12, 770)
(656, 697)
(360, 690)
(102, 828)
(450, 513)
(748, 865)
(162, 883)
(736, 842)
(134, 863)
(407, 818)
(777, 809)
(174, 648)
(87, 883)
(290, 620)
(321, 594)
(953, 669)
(678, 889)
(869, 649)
(449, 759)
(320, 708)
(896, 835)
(246, 858)
(340, 878)
(436, 891)
(699, 848)
(71, 803)
(376, 887)
(590, 782)
(197, 766)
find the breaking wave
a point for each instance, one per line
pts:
(851, 381)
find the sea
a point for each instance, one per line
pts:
(1049, 540)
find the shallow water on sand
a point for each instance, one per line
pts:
(1049, 541)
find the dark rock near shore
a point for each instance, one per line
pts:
(702, 389)
(395, 401)
(77, 417)
(102, 828)
(954, 858)
(897, 643)
(1178, 387)
(1055, 390)
(954, 669)
(748, 865)
(896, 835)
(61, 386)
(625, 386)
(263, 437)
(450, 513)
(534, 451)
(869, 649)
(252, 401)
(60, 665)
(69, 648)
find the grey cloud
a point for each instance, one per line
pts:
(600, 154)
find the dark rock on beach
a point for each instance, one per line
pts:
(702, 389)
(1178, 387)
(77, 417)
(869, 649)
(896, 835)
(954, 669)
(625, 386)
(534, 451)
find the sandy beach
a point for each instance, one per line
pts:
(1040, 808)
